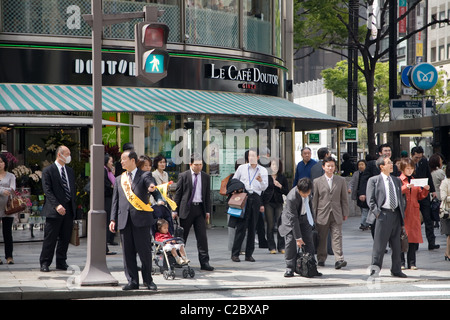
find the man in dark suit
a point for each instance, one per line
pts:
(193, 199)
(132, 213)
(58, 183)
(296, 223)
(387, 206)
(423, 171)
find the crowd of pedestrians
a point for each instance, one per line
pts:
(395, 198)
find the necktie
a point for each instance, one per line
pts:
(194, 189)
(65, 184)
(130, 177)
(392, 201)
(308, 211)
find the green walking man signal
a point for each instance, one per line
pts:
(151, 57)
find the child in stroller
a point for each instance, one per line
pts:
(174, 245)
(167, 260)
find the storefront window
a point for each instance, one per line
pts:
(158, 132)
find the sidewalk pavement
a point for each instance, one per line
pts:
(23, 280)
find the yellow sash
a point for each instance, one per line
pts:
(131, 197)
(163, 190)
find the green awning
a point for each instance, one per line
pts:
(60, 98)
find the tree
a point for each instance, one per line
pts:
(335, 79)
(324, 25)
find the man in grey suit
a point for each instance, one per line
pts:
(132, 213)
(330, 204)
(296, 223)
(387, 206)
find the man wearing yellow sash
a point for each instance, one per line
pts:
(133, 214)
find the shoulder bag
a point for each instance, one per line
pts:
(14, 205)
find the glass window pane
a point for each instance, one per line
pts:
(212, 23)
(258, 25)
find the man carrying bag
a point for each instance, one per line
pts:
(296, 227)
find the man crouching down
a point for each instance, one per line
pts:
(297, 223)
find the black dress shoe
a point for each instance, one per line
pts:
(249, 259)
(111, 253)
(206, 267)
(235, 259)
(433, 246)
(152, 286)
(399, 274)
(321, 264)
(44, 268)
(130, 286)
(113, 243)
(62, 266)
(340, 264)
(288, 274)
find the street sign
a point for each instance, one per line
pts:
(423, 76)
(350, 135)
(405, 76)
(409, 109)
(313, 138)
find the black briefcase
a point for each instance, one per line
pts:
(306, 265)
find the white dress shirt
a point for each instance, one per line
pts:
(330, 181)
(247, 175)
(387, 180)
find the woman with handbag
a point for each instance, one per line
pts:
(445, 210)
(412, 211)
(7, 188)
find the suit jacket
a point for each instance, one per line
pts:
(376, 196)
(327, 202)
(184, 190)
(317, 170)
(423, 171)
(54, 191)
(290, 217)
(122, 209)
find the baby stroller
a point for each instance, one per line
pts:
(162, 259)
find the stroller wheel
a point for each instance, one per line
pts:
(191, 272)
(185, 273)
(169, 274)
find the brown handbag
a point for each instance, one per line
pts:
(14, 205)
(238, 200)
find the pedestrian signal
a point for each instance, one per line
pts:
(151, 57)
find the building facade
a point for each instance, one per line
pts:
(226, 88)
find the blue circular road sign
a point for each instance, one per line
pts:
(405, 76)
(423, 76)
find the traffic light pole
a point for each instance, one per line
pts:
(96, 270)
